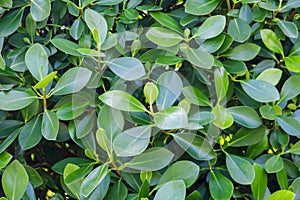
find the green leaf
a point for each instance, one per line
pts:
(178, 171)
(6, 4)
(66, 46)
(243, 52)
(295, 149)
(221, 82)
(211, 27)
(169, 60)
(45, 81)
(74, 186)
(50, 125)
(96, 21)
(16, 100)
(267, 112)
(34, 177)
(9, 140)
(271, 41)
(40, 9)
(240, 169)
(167, 21)
(171, 118)
(274, 164)
(118, 191)
(259, 184)
(152, 159)
(10, 22)
(31, 134)
(171, 190)
(199, 58)
(288, 28)
(127, 68)
(290, 88)
(71, 110)
(132, 141)
(14, 180)
(195, 96)
(272, 75)
(292, 63)
(260, 91)
(2, 63)
(36, 60)
(239, 30)
(121, 100)
(77, 29)
(214, 44)
(150, 92)
(246, 116)
(195, 145)
(247, 137)
(72, 81)
(220, 187)
(289, 124)
(224, 119)
(5, 158)
(200, 7)
(158, 36)
(282, 194)
(94, 179)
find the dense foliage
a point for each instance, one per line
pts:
(143, 99)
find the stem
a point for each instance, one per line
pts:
(228, 4)
(44, 98)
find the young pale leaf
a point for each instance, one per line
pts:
(14, 180)
(66, 46)
(195, 96)
(74, 186)
(10, 22)
(127, 68)
(243, 52)
(45, 81)
(260, 91)
(72, 81)
(132, 141)
(220, 187)
(295, 149)
(288, 28)
(224, 119)
(40, 9)
(36, 60)
(96, 21)
(5, 158)
(150, 92)
(272, 75)
(239, 30)
(158, 36)
(259, 184)
(282, 194)
(167, 21)
(246, 116)
(200, 7)
(240, 169)
(289, 124)
(171, 118)
(247, 137)
(195, 145)
(221, 82)
(274, 164)
(211, 27)
(16, 100)
(30, 134)
(152, 159)
(271, 41)
(172, 190)
(94, 179)
(50, 125)
(292, 63)
(290, 88)
(178, 171)
(121, 100)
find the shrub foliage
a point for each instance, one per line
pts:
(142, 99)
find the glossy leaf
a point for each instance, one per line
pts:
(288, 28)
(243, 52)
(220, 187)
(246, 137)
(158, 36)
(50, 125)
(150, 92)
(290, 88)
(171, 190)
(224, 118)
(199, 58)
(211, 27)
(245, 116)
(96, 21)
(40, 9)
(171, 118)
(31, 134)
(289, 125)
(259, 184)
(15, 100)
(272, 75)
(66, 46)
(10, 22)
(271, 41)
(200, 7)
(282, 194)
(274, 164)
(167, 21)
(239, 30)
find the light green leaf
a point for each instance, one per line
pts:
(5, 158)
(282, 194)
(271, 41)
(158, 36)
(6, 3)
(167, 21)
(295, 149)
(200, 7)
(221, 82)
(292, 63)
(245, 116)
(195, 145)
(211, 27)
(96, 21)
(195, 96)
(172, 190)
(74, 186)
(127, 68)
(223, 119)
(243, 52)
(40, 9)
(171, 118)
(199, 58)
(267, 112)
(178, 171)
(247, 137)
(240, 169)
(152, 159)
(220, 187)
(45, 81)
(150, 92)
(259, 184)
(2, 62)
(274, 164)
(132, 141)
(14, 180)
(239, 30)
(289, 124)
(272, 75)
(72, 81)
(121, 100)
(71, 110)
(50, 125)
(288, 28)
(10, 22)
(290, 88)
(66, 46)
(16, 100)
(36, 60)
(260, 91)
(30, 134)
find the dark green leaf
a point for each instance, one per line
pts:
(66, 46)
(239, 30)
(31, 134)
(50, 125)
(167, 21)
(220, 187)
(10, 22)
(211, 27)
(40, 9)
(200, 7)
(246, 137)
(274, 164)
(16, 100)
(246, 116)
(243, 52)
